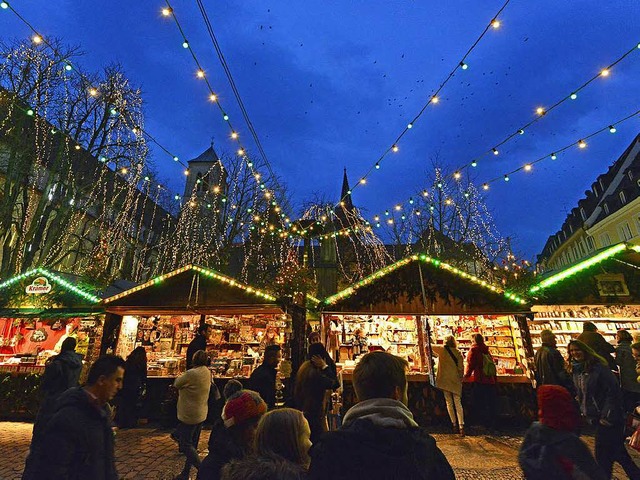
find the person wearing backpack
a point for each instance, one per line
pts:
(481, 370)
(551, 448)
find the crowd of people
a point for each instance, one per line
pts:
(378, 438)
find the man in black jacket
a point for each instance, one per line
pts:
(199, 342)
(263, 378)
(379, 438)
(550, 366)
(79, 436)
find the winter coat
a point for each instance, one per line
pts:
(61, 373)
(475, 362)
(599, 395)
(311, 395)
(449, 374)
(79, 441)
(566, 456)
(551, 368)
(199, 342)
(599, 345)
(269, 468)
(193, 395)
(263, 381)
(222, 449)
(373, 446)
(627, 364)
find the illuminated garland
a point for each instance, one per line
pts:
(205, 271)
(60, 281)
(540, 113)
(169, 11)
(558, 277)
(348, 292)
(433, 99)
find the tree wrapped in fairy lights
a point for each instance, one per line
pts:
(77, 193)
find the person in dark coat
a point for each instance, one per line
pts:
(627, 365)
(551, 449)
(241, 415)
(263, 378)
(592, 339)
(379, 438)
(199, 342)
(484, 387)
(133, 388)
(313, 382)
(61, 373)
(79, 436)
(600, 400)
(550, 366)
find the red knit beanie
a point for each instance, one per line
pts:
(556, 408)
(242, 406)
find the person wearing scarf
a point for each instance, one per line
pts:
(379, 439)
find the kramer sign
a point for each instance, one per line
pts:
(39, 286)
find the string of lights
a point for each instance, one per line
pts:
(432, 100)
(541, 112)
(169, 11)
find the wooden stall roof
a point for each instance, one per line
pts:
(42, 289)
(449, 290)
(608, 277)
(192, 289)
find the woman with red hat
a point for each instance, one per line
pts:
(551, 448)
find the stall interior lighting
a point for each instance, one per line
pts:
(51, 276)
(609, 252)
(315, 300)
(205, 271)
(347, 292)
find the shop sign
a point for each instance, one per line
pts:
(39, 286)
(612, 284)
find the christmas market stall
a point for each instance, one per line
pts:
(164, 314)
(38, 310)
(603, 289)
(413, 304)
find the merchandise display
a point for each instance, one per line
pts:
(501, 333)
(568, 322)
(235, 342)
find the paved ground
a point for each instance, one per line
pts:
(148, 453)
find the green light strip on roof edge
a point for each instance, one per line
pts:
(67, 285)
(347, 292)
(547, 282)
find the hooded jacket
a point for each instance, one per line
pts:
(599, 345)
(567, 456)
(79, 441)
(378, 440)
(627, 364)
(551, 369)
(475, 362)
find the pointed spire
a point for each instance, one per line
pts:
(345, 194)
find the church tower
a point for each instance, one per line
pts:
(207, 175)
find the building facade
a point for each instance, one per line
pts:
(608, 214)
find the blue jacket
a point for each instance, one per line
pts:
(599, 395)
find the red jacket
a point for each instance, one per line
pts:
(474, 365)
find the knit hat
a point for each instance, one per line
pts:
(556, 408)
(242, 406)
(230, 388)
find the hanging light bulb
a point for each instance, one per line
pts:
(495, 151)
(234, 135)
(474, 163)
(582, 144)
(37, 39)
(93, 92)
(185, 43)
(506, 178)
(521, 132)
(166, 11)
(200, 73)
(398, 208)
(410, 125)
(485, 186)
(363, 181)
(240, 151)
(612, 129)
(377, 166)
(463, 65)
(528, 167)
(186, 172)
(225, 117)
(457, 175)
(605, 72)
(4, 5)
(395, 148)
(573, 96)
(540, 111)
(495, 23)
(213, 97)
(435, 99)
(175, 159)
(553, 156)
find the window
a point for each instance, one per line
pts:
(583, 214)
(590, 244)
(606, 208)
(630, 173)
(623, 199)
(605, 240)
(595, 190)
(624, 232)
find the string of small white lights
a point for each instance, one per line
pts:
(541, 112)
(169, 11)
(433, 99)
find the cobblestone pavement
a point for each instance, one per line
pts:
(149, 453)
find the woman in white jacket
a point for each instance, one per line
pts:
(449, 380)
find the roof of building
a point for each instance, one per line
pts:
(208, 156)
(622, 176)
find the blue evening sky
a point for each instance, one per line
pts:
(331, 84)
